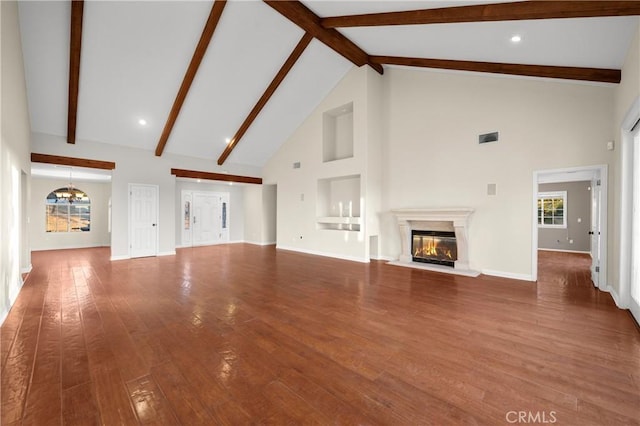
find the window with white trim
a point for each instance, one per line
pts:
(552, 209)
(68, 210)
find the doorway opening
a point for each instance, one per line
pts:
(597, 233)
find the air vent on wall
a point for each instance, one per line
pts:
(488, 137)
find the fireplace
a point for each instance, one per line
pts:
(436, 247)
(435, 239)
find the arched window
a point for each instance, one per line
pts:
(68, 210)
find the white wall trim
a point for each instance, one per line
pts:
(258, 243)
(510, 275)
(626, 203)
(26, 270)
(614, 295)
(565, 251)
(324, 254)
(121, 257)
(382, 257)
(167, 253)
(73, 247)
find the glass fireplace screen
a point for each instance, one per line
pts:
(434, 247)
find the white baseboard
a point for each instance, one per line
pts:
(121, 257)
(324, 254)
(565, 251)
(26, 270)
(510, 275)
(614, 295)
(257, 243)
(167, 253)
(385, 258)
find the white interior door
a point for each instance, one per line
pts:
(634, 302)
(143, 220)
(596, 198)
(206, 218)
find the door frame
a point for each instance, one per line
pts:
(129, 237)
(572, 174)
(626, 204)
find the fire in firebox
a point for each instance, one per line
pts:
(437, 247)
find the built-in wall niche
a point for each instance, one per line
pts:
(338, 203)
(337, 133)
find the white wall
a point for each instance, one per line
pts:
(253, 219)
(428, 124)
(626, 93)
(260, 214)
(269, 214)
(15, 170)
(236, 206)
(98, 236)
(297, 191)
(433, 158)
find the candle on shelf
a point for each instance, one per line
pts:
(340, 208)
(350, 208)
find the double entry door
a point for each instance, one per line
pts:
(205, 218)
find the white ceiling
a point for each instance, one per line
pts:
(135, 54)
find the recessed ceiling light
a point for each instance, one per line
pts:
(516, 39)
(142, 122)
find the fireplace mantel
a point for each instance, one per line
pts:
(457, 219)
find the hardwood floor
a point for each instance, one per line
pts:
(241, 334)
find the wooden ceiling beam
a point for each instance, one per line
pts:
(75, 46)
(198, 55)
(193, 174)
(570, 73)
(513, 11)
(300, 15)
(71, 161)
(291, 60)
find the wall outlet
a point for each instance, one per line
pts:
(570, 241)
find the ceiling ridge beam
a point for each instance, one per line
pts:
(303, 17)
(75, 47)
(194, 174)
(601, 75)
(284, 70)
(198, 55)
(514, 11)
(72, 161)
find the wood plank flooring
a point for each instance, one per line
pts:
(241, 334)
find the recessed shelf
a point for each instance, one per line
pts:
(338, 220)
(337, 133)
(338, 203)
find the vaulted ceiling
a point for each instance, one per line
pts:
(203, 73)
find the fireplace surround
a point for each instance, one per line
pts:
(447, 223)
